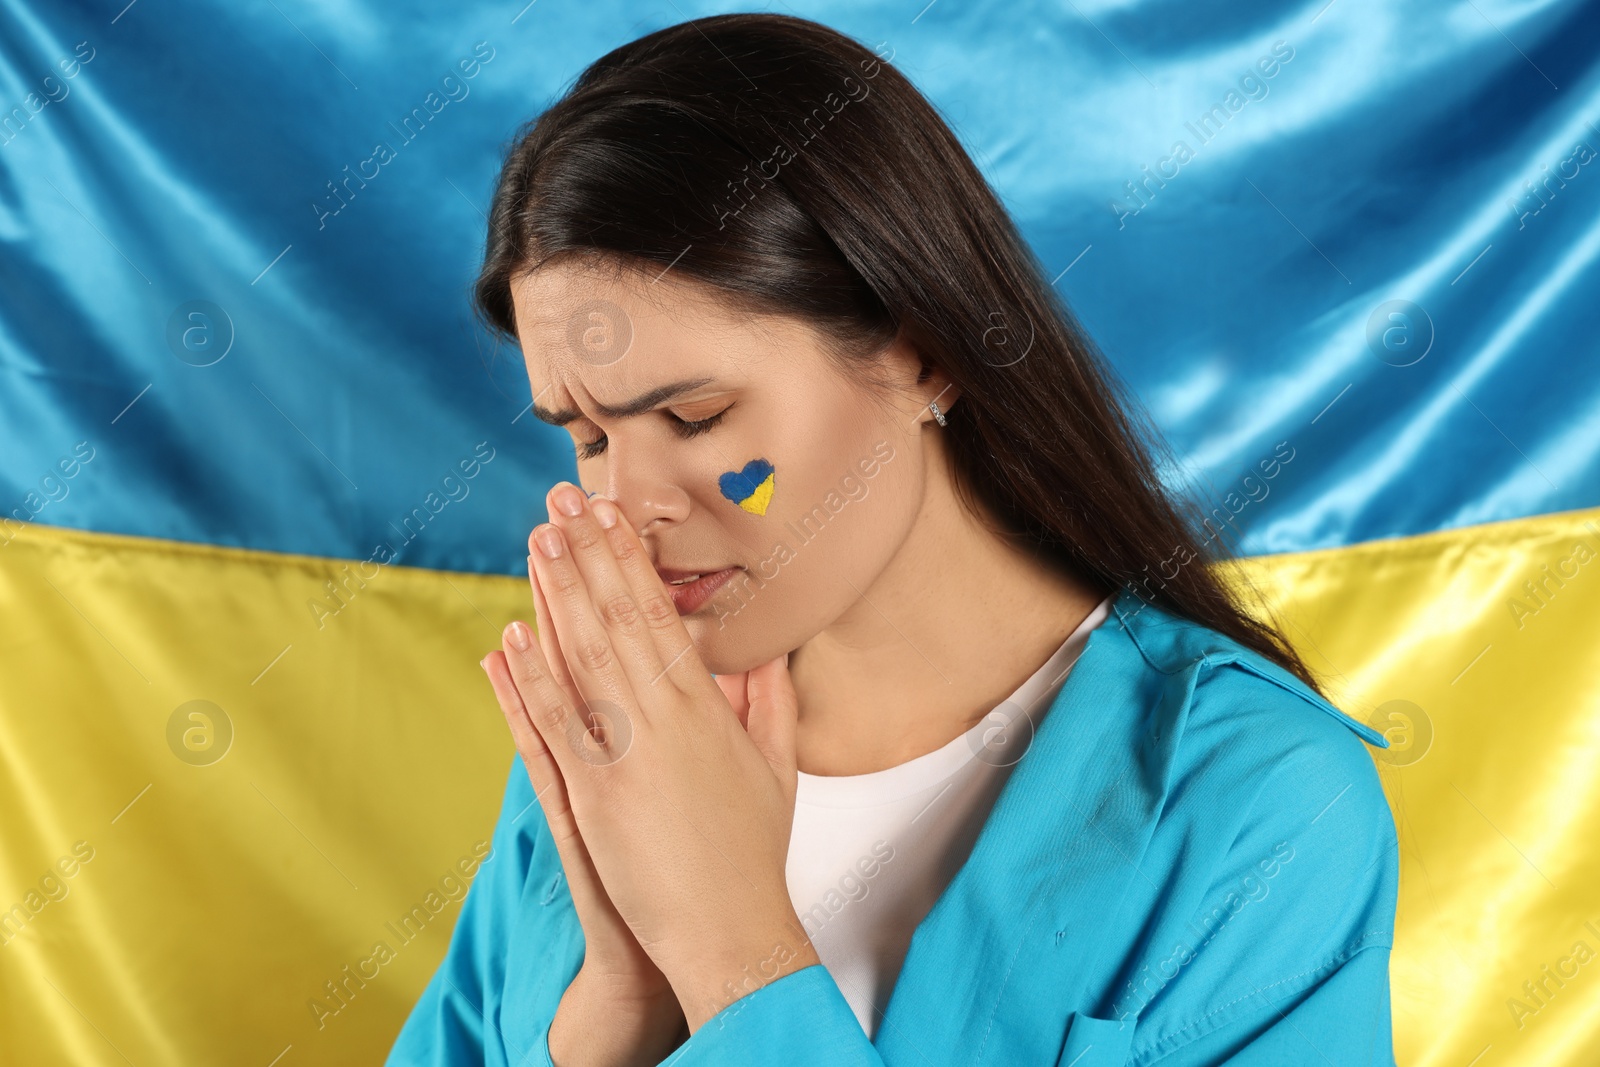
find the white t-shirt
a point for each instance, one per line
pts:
(871, 853)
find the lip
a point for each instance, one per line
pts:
(691, 596)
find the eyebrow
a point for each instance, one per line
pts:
(637, 406)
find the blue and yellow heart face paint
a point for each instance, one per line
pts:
(750, 488)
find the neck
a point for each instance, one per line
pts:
(956, 622)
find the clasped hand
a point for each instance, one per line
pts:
(670, 792)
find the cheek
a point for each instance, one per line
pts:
(797, 468)
(750, 487)
(827, 533)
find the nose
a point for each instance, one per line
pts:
(647, 494)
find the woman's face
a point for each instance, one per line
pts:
(733, 444)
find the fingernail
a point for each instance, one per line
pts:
(517, 635)
(606, 512)
(568, 500)
(549, 540)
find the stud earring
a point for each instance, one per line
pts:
(938, 416)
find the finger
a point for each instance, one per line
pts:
(614, 613)
(549, 642)
(603, 670)
(675, 648)
(543, 772)
(555, 661)
(560, 724)
(733, 687)
(774, 708)
(594, 908)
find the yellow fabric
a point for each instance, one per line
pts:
(367, 759)
(1499, 815)
(365, 763)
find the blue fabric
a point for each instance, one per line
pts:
(1390, 155)
(1193, 863)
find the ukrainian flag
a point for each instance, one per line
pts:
(264, 487)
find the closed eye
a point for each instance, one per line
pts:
(695, 427)
(684, 428)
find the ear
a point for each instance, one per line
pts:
(929, 384)
(934, 385)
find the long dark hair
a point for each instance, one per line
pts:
(790, 167)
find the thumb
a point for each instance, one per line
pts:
(734, 689)
(774, 708)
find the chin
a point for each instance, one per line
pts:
(714, 644)
(725, 646)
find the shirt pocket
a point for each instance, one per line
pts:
(1095, 1042)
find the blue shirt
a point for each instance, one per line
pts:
(1193, 863)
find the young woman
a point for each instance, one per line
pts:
(882, 708)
